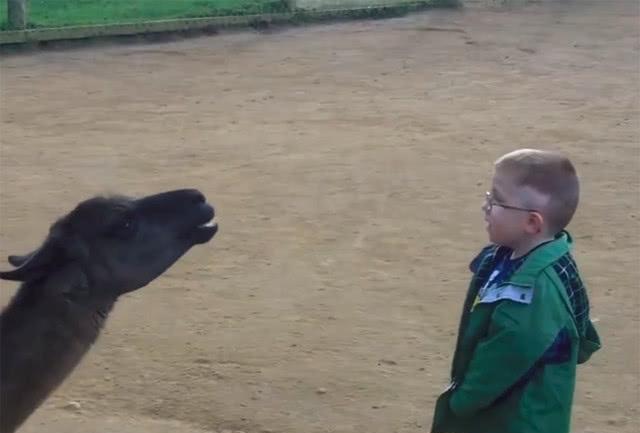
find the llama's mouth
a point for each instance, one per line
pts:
(205, 232)
(207, 227)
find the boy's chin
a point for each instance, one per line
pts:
(490, 235)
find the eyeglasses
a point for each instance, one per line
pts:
(490, 202)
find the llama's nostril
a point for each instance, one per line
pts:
(198, 197)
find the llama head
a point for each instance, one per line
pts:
(119, 244)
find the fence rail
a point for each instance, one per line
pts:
(21, 30)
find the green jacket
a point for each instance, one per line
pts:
(514, 367)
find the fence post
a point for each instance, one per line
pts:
(17, 14)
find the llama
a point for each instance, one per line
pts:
(105, 247)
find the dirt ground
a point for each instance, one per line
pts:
(348, 164)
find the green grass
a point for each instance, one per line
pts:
(55, 13)
(59, 13)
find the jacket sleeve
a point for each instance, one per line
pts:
(518, 337)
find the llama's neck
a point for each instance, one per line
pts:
(44, 333)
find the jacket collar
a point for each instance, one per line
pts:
(541, 258)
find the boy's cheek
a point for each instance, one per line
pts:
(494, 234)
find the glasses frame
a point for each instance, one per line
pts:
(490, 202)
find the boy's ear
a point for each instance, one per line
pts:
(535, 223)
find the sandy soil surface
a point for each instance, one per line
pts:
(348, 163)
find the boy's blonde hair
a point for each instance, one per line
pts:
(549, 173)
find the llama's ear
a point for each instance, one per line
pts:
(34, 265)
(15, 260)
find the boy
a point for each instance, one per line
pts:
(525, 322)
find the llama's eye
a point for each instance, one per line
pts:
(124, 228)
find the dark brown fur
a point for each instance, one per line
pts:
(105, 247)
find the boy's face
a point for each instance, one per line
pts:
(510, 222)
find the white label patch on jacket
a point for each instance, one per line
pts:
(523, 295)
